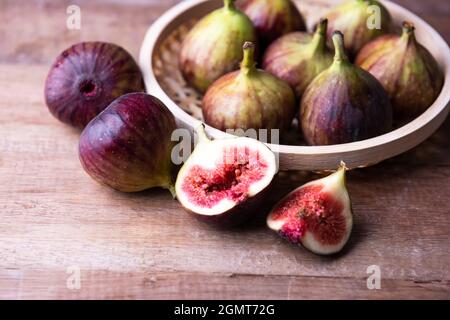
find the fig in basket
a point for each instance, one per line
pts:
(318, 215)
(360, 21)
(214, 46)
(128, 146)
(224, 181)
(344, 103)
(272, 18)
(299, 57)
(86, 78)
(249, 99)
(406, 69)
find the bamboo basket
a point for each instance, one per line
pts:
(159, 63)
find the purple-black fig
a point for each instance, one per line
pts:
(214, 46)
(272, 18)
(224, 181)
(360, 21)
(344, 103)
(406, 69)
(299, 57)
(249, 99)
(128, 146)
(317, 215)
(86, 78)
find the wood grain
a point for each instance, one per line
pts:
(53, 216)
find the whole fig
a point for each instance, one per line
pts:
(360, 21)
(344, 103)
(86, 78)
(406, 69)
(128, 146)
(214, 46)
(249, 99)
(298, 57)
(272, 18)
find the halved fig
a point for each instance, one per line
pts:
(317, 215)
(223, 181)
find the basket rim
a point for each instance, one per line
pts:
(439, 108)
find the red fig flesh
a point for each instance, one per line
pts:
(318, 215)
(128, 146)
(214, 46)
(406, 69)
(249, 99)
(344, 104)
(223, 180)
(86, 78)
(298, 57)
(272, 18)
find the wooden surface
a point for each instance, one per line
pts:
(54, 217)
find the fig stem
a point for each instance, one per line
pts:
(318, 41)
(202, 137)
(248, 63)
(229, 4)
(408, 30)
(338, 41)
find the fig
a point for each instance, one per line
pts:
(224, 181)
(298, 57)
(317, 215)
(360, 21)
(406, 69)
(214, 46)
(86, 78)
(344, 103)
(249, 98)
(272, 18)
(128, 146)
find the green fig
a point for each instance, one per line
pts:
(272, 18)
(344, 103)
(406, 69)
(249, 98)
(360, 21)
(298, 57)
(214, 46)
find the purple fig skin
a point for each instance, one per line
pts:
(272, 18)
(128, 146)
(249, 99)
(298, 57)
(352, 17)
(214, 46)
(408, 72)
(344, 104)
(86, 78)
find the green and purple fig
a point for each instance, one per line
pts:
(86, 78)
(406, 69)
(249, 98)
(128, 146)
(360, 21)
(299, 57)
(214, 46)
(344, 103)
(272, 18)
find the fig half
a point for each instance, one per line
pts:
(223, 181)
(86, 78)
(406, 69)
(214, 46)
(317, 215)
(128, 146)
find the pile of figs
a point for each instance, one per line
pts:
(344, 82)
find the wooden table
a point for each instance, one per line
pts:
(55, 221)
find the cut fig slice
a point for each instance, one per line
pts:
(317, 215)
(223, 180)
